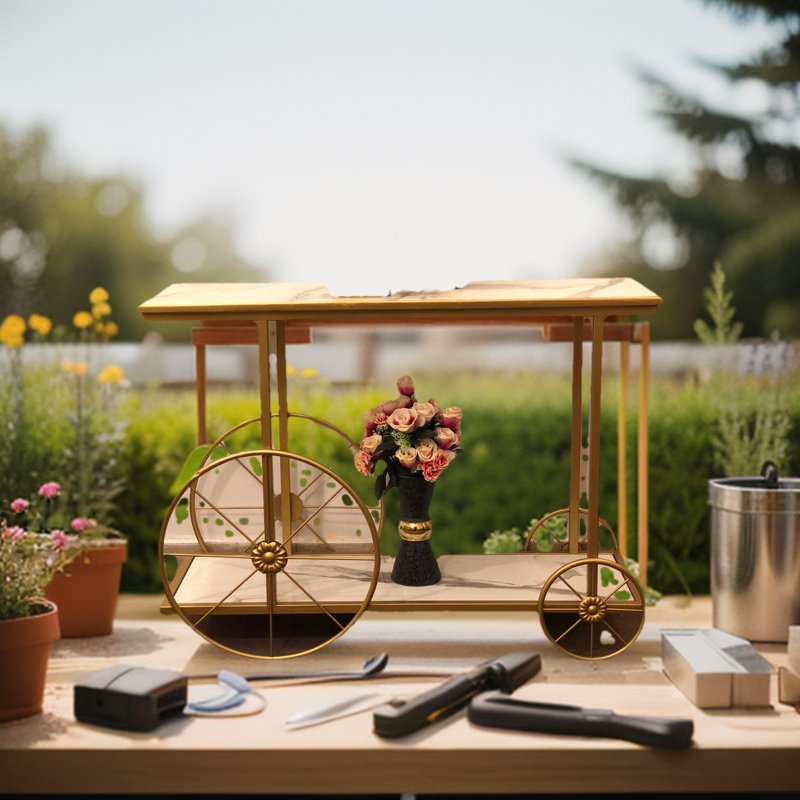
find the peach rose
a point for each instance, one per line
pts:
(425, 410)
(405, 386)
(404, 402)
(451, 416)
(446, 438)
(369, 418)
(407, 456)
(363, 462)
(426, 450)
(403, 420)
(388, 406)
(433, 468)
(370, 443)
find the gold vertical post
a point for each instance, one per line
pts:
(201, 379)
(622, 489)
(643, 329)
(577, 436)
(592, 549)
(283, 434)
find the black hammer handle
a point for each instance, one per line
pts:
(498, 711)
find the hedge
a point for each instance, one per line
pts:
(515, 465)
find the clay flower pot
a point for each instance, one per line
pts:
(87, 590)
(24, 653)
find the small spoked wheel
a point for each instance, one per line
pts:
(551, 533)
(264, 571)
(307, 479)
(592, 608)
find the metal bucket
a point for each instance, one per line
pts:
(755, 556)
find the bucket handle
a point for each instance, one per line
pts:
(769, 472)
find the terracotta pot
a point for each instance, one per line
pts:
(415, 564)
(87, 590)
(24, 653)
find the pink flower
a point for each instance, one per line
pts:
(14, 533)
(81, 524)
(433, 468)
(405, 386)
(50, 490)
(426, 450)
(370, 443)
(381, 419)
(446, 438)
(425, 410)
(407, 456)
(404, 402)
(363, 462)
(404, 420)
(388, 406)
(59, 539)
(19, 505)
(451, 416)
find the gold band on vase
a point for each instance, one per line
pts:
(415, 531)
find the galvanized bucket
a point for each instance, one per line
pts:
(755, 555)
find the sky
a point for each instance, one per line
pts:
(371, 145)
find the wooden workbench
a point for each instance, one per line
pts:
(733, 751)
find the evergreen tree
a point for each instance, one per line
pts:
(742, 207)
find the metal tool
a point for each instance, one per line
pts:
(506, 674)
(343, 708)
(372, 666)
(496, 710)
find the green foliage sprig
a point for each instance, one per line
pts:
(721, 311)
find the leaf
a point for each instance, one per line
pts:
(192, 464)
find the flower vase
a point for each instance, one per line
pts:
(415, 564)
(87, 589)
(24, 655)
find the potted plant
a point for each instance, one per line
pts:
(59, 412)
(28, 622)
(85, 559)
(415, 442)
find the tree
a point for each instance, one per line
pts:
(62, 235)
(742, 207)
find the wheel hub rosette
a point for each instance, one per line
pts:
(592, 609)
(269, 557)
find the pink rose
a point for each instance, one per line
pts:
(451, 416)
(388, 406)
(380, 419)
(368, 418)
(363, 462)
(370, 443)
(426, 450)
(405, 386)
(14, 533)
(404, 402)
(433, 468)
(81, 524)
(403, 420)
(19, 505)
(50, 490)
(425, 410)
(407, 456)
(59, 539)
(446, 438)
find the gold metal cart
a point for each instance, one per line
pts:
(275, 555)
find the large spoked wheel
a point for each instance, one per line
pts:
(551, 533)
(592, 608)
(305, 478)
(260, 588)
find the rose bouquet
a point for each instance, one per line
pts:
(409, 437)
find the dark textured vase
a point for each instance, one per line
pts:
(415, 564)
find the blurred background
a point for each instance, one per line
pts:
(376, 146)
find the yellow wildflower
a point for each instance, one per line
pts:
(101, 310)
(109, 329)
(11, 331)
(42, 325)
(308, 372)
(74, 367)
(111, 374)
(83, 319)
(290, 370)
(98, 295)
